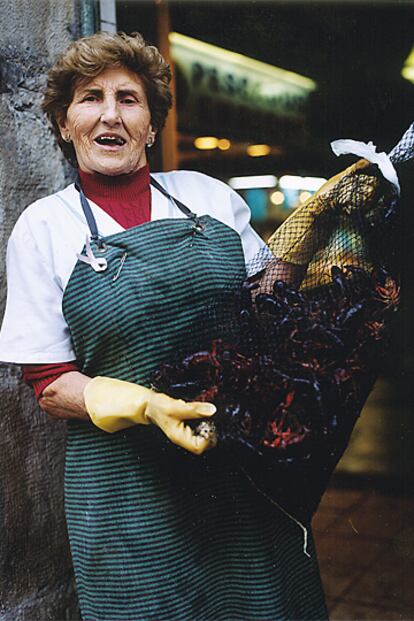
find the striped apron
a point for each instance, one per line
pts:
(158, 534)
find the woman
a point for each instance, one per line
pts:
(155, 531)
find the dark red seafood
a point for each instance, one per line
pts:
(328, 350)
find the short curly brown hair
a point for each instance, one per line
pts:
(87, 57)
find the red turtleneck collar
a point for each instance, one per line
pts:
(126, 198)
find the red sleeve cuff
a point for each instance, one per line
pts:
(39, 376)
(40, 384)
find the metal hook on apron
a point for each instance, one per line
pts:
(99, 264)
(198, 226)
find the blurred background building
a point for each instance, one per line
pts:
(261, 89)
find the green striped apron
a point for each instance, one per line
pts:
(158, 534)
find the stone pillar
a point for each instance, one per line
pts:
(36, 576)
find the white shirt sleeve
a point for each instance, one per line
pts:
(34, 329)
(252, 243)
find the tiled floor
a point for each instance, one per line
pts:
(382, 443)
(365, 539)
(365, 543)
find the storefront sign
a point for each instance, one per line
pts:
(214, 72)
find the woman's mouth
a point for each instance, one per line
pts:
(109, 141)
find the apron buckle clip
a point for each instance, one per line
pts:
(199, 227)
(99, 264)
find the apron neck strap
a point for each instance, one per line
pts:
(183, 208)
(90, 218)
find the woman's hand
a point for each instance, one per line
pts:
(115, 405)
(64, 398)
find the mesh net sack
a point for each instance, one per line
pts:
(293, 360)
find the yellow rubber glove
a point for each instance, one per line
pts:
(114, 405)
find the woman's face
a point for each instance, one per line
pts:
(109, 123)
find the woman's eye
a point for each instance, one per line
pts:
(90, 98)
(128, 100)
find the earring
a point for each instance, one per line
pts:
(67, 138)
(150, 141)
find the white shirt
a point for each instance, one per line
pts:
(42, 253)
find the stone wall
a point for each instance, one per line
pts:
(36, 578)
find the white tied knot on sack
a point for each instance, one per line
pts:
(368, 151)
(99, 264)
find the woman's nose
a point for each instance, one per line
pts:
(110, 112)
